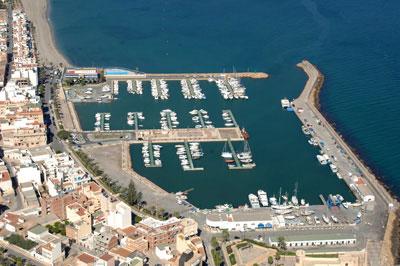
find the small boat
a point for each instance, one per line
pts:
(325, 219)
(289, 217)
(334, 219)
(283, 212)
(273, 200)
(307, 212)
(333, 167)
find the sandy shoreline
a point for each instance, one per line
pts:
(37, 12)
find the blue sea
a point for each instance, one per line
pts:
(354, 43)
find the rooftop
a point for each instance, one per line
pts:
(86, 258)
(242, 216)
(38, 229)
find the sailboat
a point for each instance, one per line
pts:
(227, 155)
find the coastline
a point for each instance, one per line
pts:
(38, 13)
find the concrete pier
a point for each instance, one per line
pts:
(180, 76)
(306, 108)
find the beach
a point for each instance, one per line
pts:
(37, 12)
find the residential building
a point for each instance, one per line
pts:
(5, 179)
(120, 217)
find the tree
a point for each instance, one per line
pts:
(63, 134)
(225, 235)
(281, 243)
(214, 242)
(130, 194)
(277, 257)
(270, 260)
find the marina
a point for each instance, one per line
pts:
(187, 153)
(159, 89)
(201, 119)
(231, 88)
(237, 161)
(186, 132)
(168, 120)
(134, 86)
(191, 89)
(229, 119)
(102, 122)
(151, 154)
(134, 119)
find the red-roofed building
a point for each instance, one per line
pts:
(5, 179)
(85, 260)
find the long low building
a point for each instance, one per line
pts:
(241, 220)
(314, 240)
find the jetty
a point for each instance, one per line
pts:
(352, 169)
(151, 156)
(124, 75)
(190, 159)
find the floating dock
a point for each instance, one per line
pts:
(151, 157)
(158, 86)
(237, 165)
(190, 86)
(190, 159)
(169, 121)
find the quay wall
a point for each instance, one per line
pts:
(179, 76)
(310, 95)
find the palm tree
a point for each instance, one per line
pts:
(270, 260)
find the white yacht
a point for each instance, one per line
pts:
(262, 195)
(254, 201)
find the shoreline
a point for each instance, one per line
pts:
(38, 13)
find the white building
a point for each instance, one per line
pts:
(121, 217)
(49, 248)
(29, 173)
(164, 252)
(314, 240)
(241, 220)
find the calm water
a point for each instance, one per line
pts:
(354, 43)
